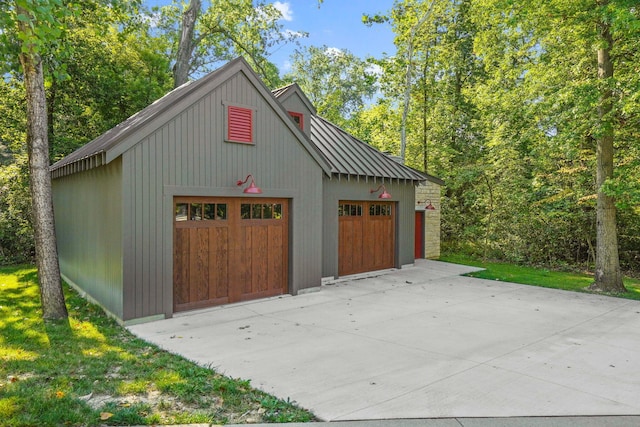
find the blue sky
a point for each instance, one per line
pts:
(336, 24)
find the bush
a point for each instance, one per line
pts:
(16, 232)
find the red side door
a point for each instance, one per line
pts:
(419, 235)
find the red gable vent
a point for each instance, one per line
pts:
(240, 124)
(298, 118)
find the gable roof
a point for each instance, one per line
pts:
(285, 92)
(346, 154)
(120, 138)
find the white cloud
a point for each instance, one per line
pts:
(285, 10)
(374, 69)
(333, 52)
(294, 34)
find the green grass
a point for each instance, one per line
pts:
(90, 371)
(569, 281)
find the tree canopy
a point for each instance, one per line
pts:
(512, 103)
(508, 106)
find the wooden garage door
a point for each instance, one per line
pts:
(366, 239)
(228, 250)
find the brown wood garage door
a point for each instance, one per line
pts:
(228, 250)
(366, 236)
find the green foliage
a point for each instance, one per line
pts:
(98, 70)
(504, 108)
(228, 29)
(378, 125)
(12, 120)
(43, 19)
(281, 411)
(337, 82)
(16, 232)
(127, 71)
(90, 371)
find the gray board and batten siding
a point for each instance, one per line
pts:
(88, 211)
(173, 148)
(356, 168)
(294, 100)
(353, 188)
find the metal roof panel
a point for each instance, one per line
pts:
(350, 156)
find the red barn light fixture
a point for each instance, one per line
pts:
(384, 194)
(429, 206)
(252, 188)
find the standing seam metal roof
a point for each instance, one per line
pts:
(114, 135)
(347, 155)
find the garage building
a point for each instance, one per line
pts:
(222, 191)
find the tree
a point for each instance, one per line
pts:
(432, 81)
(607, 275)
(103, 68)
(561, 56)
(504, 107)
(224, 30)
(186, 43)
(127, 70)
(337, 82)
(38, 22)
(407, 90)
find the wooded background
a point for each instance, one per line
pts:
(502, 99)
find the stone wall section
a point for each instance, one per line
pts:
(425, 193)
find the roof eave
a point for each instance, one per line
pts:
(80, 165)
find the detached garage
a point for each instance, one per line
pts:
(222, 191)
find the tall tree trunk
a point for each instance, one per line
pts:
(53, 306)
(425, 111)
(407, 88)
(608, 277)
(186, 45)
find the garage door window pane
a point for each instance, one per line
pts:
(182, 211)
(348, 209)
(256, 212)
(277, 211)
(196, 212)
(221, 211)
(209, 211)
(245, 211)
(267, 211)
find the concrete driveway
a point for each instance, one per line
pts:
(424, 342)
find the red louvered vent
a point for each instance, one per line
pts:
(240, 124)
(298, 118)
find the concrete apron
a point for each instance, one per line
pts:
(423, 342)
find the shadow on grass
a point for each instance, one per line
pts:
(48, 364)
(68, 373)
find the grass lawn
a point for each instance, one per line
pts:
(538, 276)
(91, 371)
